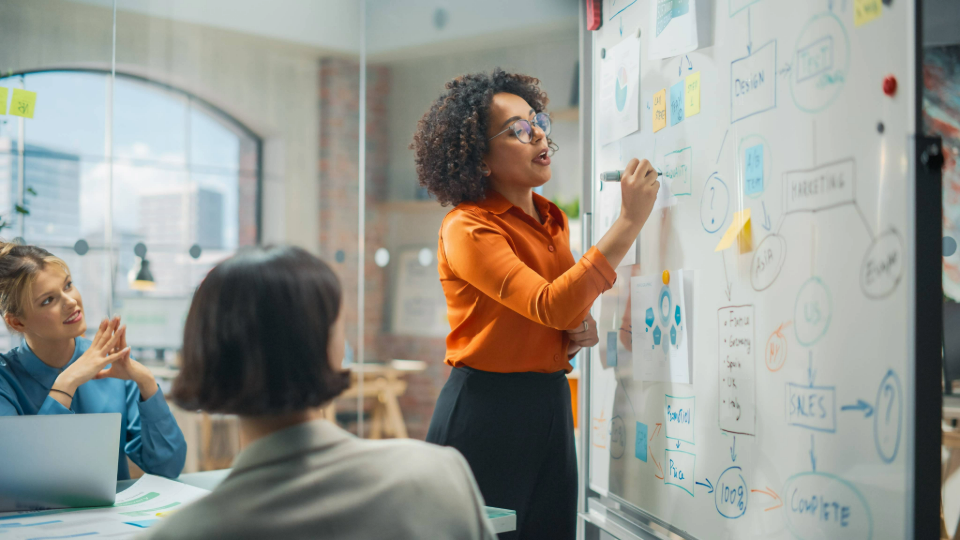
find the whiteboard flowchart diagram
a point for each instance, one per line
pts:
(793, 424)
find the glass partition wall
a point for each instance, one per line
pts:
(167, 134)
(413, 49)
(161, 136)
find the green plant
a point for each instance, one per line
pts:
(571, 209)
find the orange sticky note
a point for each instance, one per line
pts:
(23, 103)
(739, 228)
(660, 110)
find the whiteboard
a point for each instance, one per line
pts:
(796, 422)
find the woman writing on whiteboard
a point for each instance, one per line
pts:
(518, 303)
(55, 370)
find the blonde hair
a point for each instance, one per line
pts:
(19, 266)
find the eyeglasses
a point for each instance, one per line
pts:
(523, 130)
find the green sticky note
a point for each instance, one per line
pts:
(3, 100)
(23, 103)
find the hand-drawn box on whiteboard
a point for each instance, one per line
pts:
(678, 171)
(812, 407)
(753, 81)
(820, 188)
(815, 58)
(679, 415)
(679, 469)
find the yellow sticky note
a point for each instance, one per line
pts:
(693, 94)
(741, 224)
(23, 103)
(660, 110)
(3, 100)
(865, 11)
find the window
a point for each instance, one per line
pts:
(184, 174)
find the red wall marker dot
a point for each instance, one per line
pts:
(890, 85)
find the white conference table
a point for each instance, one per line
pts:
(502, 520)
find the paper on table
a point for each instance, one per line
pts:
(661, 351)
(676, 28)
(620, 91)
(134, 508)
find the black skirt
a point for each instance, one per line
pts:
(516, 432)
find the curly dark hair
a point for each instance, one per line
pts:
(451, 138)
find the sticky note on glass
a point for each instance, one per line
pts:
(865, 11)
(23, 103)
(3, 100)
(660, 110)
(739, 228)
(677, 101)
(640, 446)
(753, 175)
(693, 94)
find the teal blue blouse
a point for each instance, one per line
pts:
(149, 435)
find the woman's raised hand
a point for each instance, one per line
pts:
(638, 187)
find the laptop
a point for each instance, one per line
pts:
(58, 461)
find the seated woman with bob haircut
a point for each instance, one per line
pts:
(264, 340)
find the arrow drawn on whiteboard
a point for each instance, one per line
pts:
(862, 406)
(749, 35)
(811, 373)
(689, 63)
(733, 450)
(721, 142)
(708, 485)
(766, 217)
(657, 430)
(770, 493)
(660, 476)
(621, 26)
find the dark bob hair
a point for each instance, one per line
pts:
(451, 138)
(255, 340)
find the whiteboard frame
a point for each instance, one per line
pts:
(626, 521)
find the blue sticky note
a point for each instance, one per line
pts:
(640, 447)
(677, 99)
(753, 170)
(611, 349)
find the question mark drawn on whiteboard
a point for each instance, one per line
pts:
(886, 435)
(715, 207)
(887, 389)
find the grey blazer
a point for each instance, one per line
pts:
(315, 480)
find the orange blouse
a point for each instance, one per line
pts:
(512, 286)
